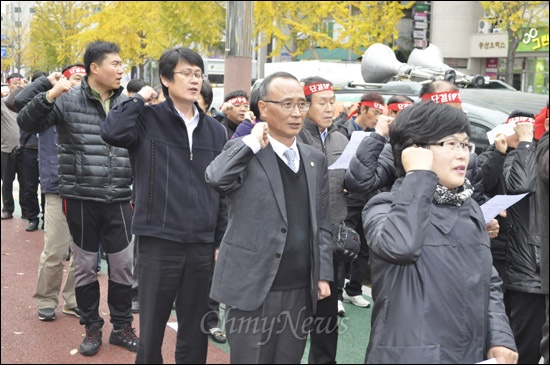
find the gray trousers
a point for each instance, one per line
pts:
(275, 333)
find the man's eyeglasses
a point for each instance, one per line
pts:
(189, 74)
(452, 145)
(289, 106)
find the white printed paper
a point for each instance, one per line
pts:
(346, 156)
(499, 203)
(506, 129)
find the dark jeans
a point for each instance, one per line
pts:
(29, 200)
(526, 312)
(10, 167)
(171, 270)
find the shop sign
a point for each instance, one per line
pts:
(421, 25)
(420, 16)
(492, 45)
(419, 34)
(422, 7)
(534, 40)
(491, 62)
(419, 43)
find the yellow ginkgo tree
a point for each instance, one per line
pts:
(51, 44)
(145, 29)
(295, 27)
(516, 18)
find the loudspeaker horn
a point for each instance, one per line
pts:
(430, 57)
(379, 64)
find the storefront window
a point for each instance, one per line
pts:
(518, 71)
(536, 75)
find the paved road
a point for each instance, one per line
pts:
(27, 340)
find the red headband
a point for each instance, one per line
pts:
(395, 107)
(238, 100)
(515, 120)
(372, 104)
(443, 97)
(317, 88)
(14, 79)
(74, 70)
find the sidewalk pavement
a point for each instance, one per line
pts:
(27, 340)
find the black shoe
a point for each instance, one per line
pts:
(92, 341)
(46, 314)
(126, 337)
(6, 215)
(72, 311)
(33, 226)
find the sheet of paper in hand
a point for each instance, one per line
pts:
(343, 161)
(497, 204)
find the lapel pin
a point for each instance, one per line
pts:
(312, 164)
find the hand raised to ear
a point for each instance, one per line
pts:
(417, 158)
(259, 131)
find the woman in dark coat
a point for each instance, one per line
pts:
(437, 297)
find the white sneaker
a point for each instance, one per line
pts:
(357, 300)
(341, 309)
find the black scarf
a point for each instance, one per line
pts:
(455, 196)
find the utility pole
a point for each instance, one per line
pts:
(238, 46)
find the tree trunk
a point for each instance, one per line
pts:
(513, 42)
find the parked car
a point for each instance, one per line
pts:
(486, 108)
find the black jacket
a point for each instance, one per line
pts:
(437, 297)
(173, 200)
(492, 165)
(522, 254)
(89, 168)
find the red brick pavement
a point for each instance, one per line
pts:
(25, 339)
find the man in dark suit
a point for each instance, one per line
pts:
(275, 259)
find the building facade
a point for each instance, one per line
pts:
(472, 45)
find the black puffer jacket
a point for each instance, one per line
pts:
(89, 168)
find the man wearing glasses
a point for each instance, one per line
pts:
(178, 219)
(275, 262)
(234, 109)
